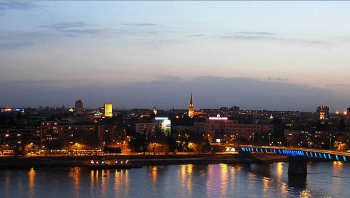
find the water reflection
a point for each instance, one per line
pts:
(224, 178)
(216, 180)
(279, 169)
(74, 173)
(263, 170)
(121, 182)
(31, 184)
(189, 178)
(186, 179)
(103, 183)
(297, 182)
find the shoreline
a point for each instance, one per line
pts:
(143, 160)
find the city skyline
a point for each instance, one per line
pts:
(255, 55)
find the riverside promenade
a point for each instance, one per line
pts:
(139, 159)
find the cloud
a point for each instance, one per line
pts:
(73, 27)
(15, 5)
(277, 79)
(196, 35)
(257, 33)
(14, 40)
(269, 36)
(337, 85)
(13, 45)
(140, 24)
(166, 93)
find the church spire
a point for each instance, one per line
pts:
(191, 99)
(190, 109)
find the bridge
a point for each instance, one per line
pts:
(297, 156)
(325, 154)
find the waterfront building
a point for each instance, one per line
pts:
(225, 129)
(16, 137)
(159, 123)
(67, 133)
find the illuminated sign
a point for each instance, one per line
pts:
(218, 118)
(161, 118)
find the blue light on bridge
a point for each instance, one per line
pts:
(265, 150)
(320, 155)
(243, 149)
(336, 157)
(344, 158)
(274, 150)
(329, 156)
(279, 150)
(261, 150)
(306, 154)
(324, 156)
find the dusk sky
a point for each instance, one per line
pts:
(256, 55)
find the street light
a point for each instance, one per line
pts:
(269, 139)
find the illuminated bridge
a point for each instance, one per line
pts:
(324, 154)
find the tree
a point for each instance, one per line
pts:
(137, 144)
(53, 145)
(89, 139)
(108, 149)
(19, 150)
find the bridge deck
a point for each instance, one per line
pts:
(327, 154)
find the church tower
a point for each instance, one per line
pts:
(155, 111)
(190, 109)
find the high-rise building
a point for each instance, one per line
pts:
(322, 112)
(108, 110)
(79, 110)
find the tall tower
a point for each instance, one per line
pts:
(190, 109)
(322, 113)
(108, 110)
(79, 110)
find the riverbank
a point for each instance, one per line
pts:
(81, 161)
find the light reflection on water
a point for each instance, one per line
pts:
(31, 185)
(325, 179)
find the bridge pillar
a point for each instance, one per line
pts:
(244, 154)
(297, 165)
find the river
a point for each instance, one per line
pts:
(324, 179)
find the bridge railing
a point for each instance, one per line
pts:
(326, 154)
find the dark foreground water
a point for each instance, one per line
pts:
(325, 179)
